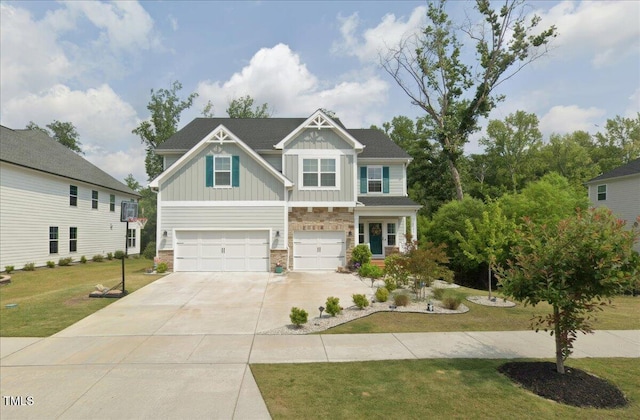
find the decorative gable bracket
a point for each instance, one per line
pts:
(220, 136)
(319, 121)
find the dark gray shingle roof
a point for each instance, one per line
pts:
(381, 200)
(35, 150)
(263, 133)
(630, 168)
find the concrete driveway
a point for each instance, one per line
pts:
(177, 348)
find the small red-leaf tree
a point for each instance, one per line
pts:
(575, 267)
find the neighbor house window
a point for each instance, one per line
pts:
(131, 238)
(318, 172)
(112, 202)
(53, 239)
(73, 195)
(222, 171)
(602, 192)
(360, 233)
(73, 239)
(374, 178)
(391, 234)
(94, 199)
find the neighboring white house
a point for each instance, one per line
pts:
(246, 194)
(55, 204)
(619, 190)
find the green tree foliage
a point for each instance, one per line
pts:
(445, 222)
(243, 108)
(64, 133)
(455, 95)
(619, 144)
(570, 156)
(165, 107)
(510, 145)
(545, 202)
(487, 240)
(132, 183)
(573, 266)
(427, 263)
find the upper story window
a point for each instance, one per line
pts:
(112, 202)
(73, 195)
(222, 171)
(602, 192)
(53, 239)
(319, 173)
(374, 179)
(94, 199)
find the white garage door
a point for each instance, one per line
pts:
(221, 251)
(313, 250)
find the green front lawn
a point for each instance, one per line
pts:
(622, 315)
(51, 299)
(438, 388)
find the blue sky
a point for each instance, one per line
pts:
(94, 64)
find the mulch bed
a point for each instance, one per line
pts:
(576, 387)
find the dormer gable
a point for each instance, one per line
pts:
(319, 120)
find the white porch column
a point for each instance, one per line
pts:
(356, 228)
(414, 226)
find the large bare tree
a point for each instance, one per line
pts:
(430, 69)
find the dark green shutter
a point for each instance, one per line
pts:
(363, 180)
(235, 171)
(385, 179)
(209, 171)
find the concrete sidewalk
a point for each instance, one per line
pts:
(207, 376)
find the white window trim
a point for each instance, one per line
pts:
(381, 180)
(131, 234)
(71, 195)
(301, 159)
(215, 170)
(606, 192)
(95, 200)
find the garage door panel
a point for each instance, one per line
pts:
(318, 250)
(222, 251)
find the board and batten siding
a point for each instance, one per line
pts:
(623, 198)
(170, 160)
(222, 218)
(32, 201)
(188, 182)
(314, 139)
(274, 160)
(344, 193)
(396, 178)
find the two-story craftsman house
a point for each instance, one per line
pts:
(246, 194)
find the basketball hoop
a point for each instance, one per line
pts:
(140, 221)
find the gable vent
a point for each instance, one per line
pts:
(220, 135)
(319, 122)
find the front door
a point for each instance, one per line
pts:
(375, 238)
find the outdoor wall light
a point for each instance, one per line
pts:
(350, 233)
(277, 234)
(164, 234)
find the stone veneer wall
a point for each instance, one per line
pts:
(166, 257)
(281, 256)
(320, 218)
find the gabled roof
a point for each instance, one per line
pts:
(320, 120)
(262, 134)
(33, 149)
(219, 134)
(631, 168)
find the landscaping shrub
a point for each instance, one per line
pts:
(401, 299)
(438, 292)
(62, 262)
(370, 271)
(149, 251)
(29, 267)
(97, 258)
(51, 264)
(390, 283)
(361, 254)
(109, 256)
(119, 254)
(298, 316)
(9, 269)
(382, 294)
(451, 300)
(333, 306)
(360, 301)
(83, 259)
(395, 268)
(162, 267)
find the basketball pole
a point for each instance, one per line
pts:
(126, 253)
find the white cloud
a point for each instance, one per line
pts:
(276, 76)
(634, 105)
(121, 163)
(562, 119)
(374, 41)
(605, 31)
